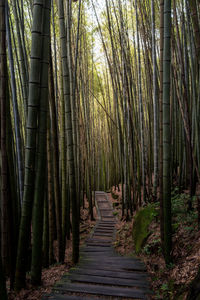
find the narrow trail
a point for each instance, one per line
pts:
(102, 273)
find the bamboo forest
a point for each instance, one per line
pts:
(99, 149)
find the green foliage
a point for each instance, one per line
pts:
(115, 204)
(146, 249)
(114, 196)
(180, 212)
(167, 289)
(141, 223)
(154, 246)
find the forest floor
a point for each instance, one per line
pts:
(173, 282)
(55, 272)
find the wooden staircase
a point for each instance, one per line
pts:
(102, 273)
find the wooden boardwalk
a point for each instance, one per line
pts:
(102, 273)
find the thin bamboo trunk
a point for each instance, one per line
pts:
(40, 178)
(141, 109)
(50, 188)
(20, 166)
(166, 133)
(161, 120)
(155, 103)
(70, 148)
(31, 133)
(57, 192)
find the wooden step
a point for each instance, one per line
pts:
(102, 290)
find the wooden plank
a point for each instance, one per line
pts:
(106, 218)
(109, 227)
(108, 222)
(109, 273)
(66, 297)
(100, 227)
(97, 249)
(107, 214)
(108, 230)
(108, 280)
(102, 201)
(105, 228)
(98, 244)
(114, 260)
(123, 260)
(111, 258)
(110, 255)
(106, 266)
(95, 255)
(103, 234)
(102, 241)
(103, 231)
(102, 290)
(114, 266)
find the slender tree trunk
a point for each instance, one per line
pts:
(141, 109)
(31, 133)
(161, 120)
(195, 21)
(45, 247)
(50, 188)
(3, 293)
(20, 167)
(5, 196)
(166, 133)
(155, 103)
(57, 193)
(23, 69)
(70, 150)
(65, 199)
(40, 179)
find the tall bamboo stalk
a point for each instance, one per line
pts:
(155, 103)
(166, 133)
(31, 133)
(40, 178)
(70, 148)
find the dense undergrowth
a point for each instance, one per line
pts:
(142, 236)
